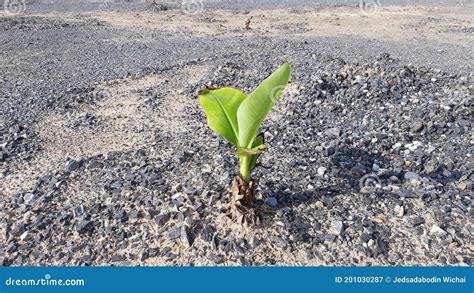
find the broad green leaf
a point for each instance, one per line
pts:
(258, 141)
(255, 107)
(221, 107)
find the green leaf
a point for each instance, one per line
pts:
(258, 141)
(255, 107)
(221, 107)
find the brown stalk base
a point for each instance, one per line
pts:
(243, 209)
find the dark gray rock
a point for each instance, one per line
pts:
(416, 126)
(18, 229)
(174, 233)
(72, 165)
(162, 219)
(84, 226)
(186, 239)
(207, 232)
(417, 220)
(272, 202)
(117, 258)
(11, 248)
(278, 241)
(217, 259)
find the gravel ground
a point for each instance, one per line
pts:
(106, 158)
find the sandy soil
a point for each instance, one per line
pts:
(129, 126)
(449, 25)
(443, 24)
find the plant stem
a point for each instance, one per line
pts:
(245, 168)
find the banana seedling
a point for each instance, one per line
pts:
(237, 118)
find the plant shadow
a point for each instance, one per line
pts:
(347, 167)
